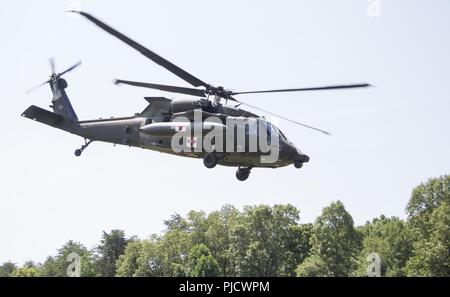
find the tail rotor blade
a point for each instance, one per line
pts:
(70, 68)
(51, 61)
(37, 87)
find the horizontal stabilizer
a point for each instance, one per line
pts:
(41, 115)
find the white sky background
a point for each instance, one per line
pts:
(386, 139)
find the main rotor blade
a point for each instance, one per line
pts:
(173, 89)
(284, 118)
(362, 85)
(70, 68)
(146, 52)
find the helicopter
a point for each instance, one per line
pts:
(189, 121)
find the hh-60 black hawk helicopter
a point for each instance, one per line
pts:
(154, 127)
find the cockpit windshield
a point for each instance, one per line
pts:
(281, 133)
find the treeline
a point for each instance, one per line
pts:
(270, 241)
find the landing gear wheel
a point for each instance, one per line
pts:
(242, 174)
(79, 151)
(298, 164)
(210, 160)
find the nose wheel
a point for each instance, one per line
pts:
(79, 151)
(298, 164)
(243, 173)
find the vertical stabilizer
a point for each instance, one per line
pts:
(60, 102)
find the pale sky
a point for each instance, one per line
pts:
(386, 140)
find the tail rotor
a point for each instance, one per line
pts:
(54, 76)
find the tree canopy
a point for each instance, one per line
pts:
(263, 240)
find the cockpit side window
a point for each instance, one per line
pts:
(269, 133)
(282, 135)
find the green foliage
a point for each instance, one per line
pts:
(128, 263)
(335, 244)
(429, 220)
(269, 241)
(391, 240)
(219, 236)
(261, 241)
(111, 246)
(313, 266)
(7, 268)
(25, 272)
(431, 255)
(424, 200)
(201, 262)
(57, 266)
(176, 222)
(142, 258)
(29, 269)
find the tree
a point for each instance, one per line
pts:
(201, 262)
(111, 246)
(432, 253)
(51, 268)
(57, 266)
(25, 272)
(170, 256)
(151, 261)
(176, 222)
(127, 264)
(29, 269)
(313, 266)
(428, 217)
(269, 242)
(7, 268)
(297, 247)
(424, 200)
(197, 226)
(390, 239)
(218, 238)
(335, 244)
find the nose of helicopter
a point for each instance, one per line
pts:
(293, 155)
(300, 158)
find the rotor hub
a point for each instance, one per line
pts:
(218, 91)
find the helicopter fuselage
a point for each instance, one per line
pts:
(193, 124)
(132, 131)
